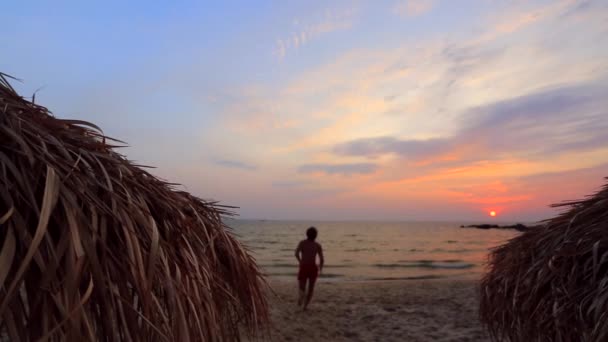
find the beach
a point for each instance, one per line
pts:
(402, 310)
(382, 281)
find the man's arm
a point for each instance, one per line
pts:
(321, 259)
(297, 252)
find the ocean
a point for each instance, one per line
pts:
(357, 251)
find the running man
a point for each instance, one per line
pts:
(306, 253)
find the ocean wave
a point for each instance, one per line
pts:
(360, 250)
(289, 274)
(278, 264)
(479, 243)
(295, 265)
(265, 242)
(461, 250)
(422, 277)
(440, 264)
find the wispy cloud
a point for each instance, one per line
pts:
(519, 16)
(538, 125)
(412, 8)
(235, 164)
(302, 34)
(376, 147)
(341, 169)
(290, 184)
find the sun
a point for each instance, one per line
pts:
(492, 213)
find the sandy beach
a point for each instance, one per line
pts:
(410, 310)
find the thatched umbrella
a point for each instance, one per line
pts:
(95, 248)
(551, 282)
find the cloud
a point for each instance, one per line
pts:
(389, 98)
(538, 125)
(464, 58)
(567, 118)
(290, 184)
(332, 20)
(412, 8)
(342, 169)
(234, 164)
(375, 147)
(517, 17)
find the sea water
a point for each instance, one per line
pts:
(373, 250)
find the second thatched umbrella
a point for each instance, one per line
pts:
(95, 248)
(551, 283)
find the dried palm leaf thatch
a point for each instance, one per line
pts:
(551, 282)
(93, 248)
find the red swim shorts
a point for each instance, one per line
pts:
(309, 271)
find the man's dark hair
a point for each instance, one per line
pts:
(311, 233)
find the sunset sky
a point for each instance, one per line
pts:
(375, 110)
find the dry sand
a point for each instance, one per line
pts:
(411, 310)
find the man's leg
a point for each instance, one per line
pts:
(311, 288)
(302, 290)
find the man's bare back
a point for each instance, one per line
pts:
(308, 252)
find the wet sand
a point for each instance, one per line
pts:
(409, 310)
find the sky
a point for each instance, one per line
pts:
(317, 110)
